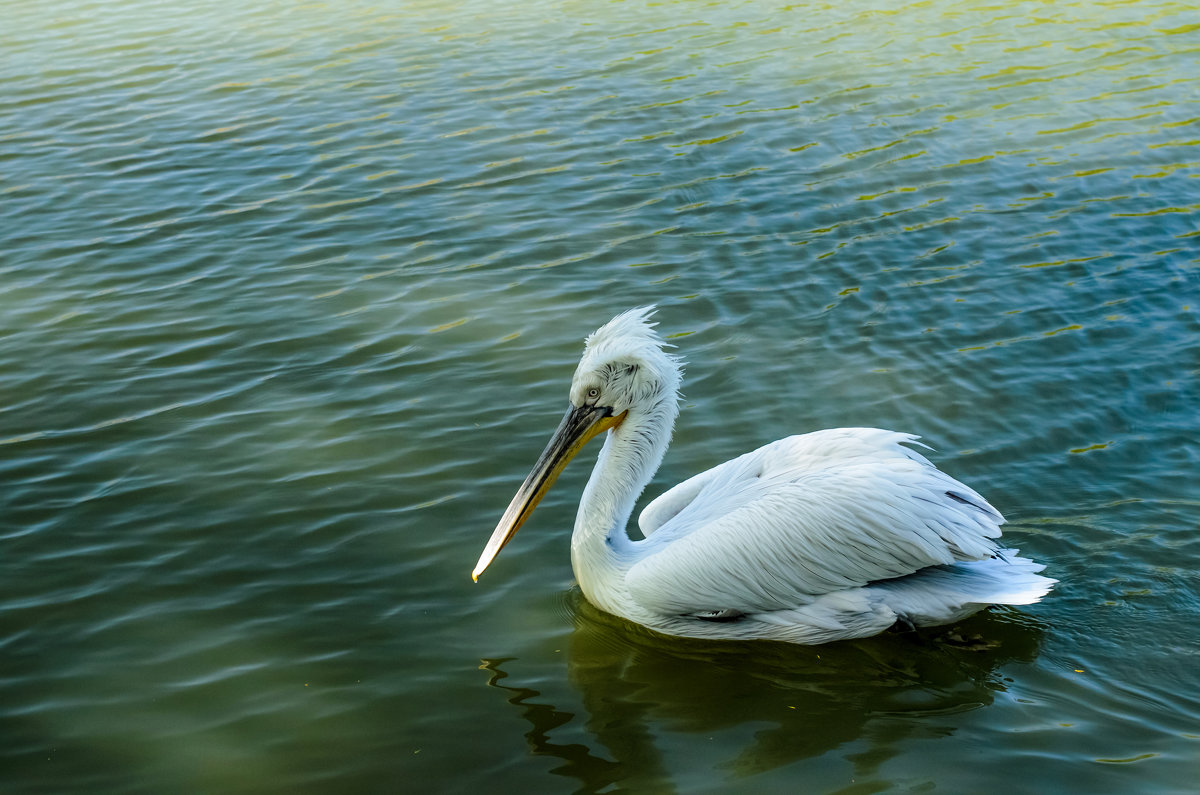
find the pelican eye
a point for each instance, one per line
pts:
(593, 394)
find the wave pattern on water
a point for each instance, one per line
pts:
(291, 295)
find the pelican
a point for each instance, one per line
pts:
(829, 535)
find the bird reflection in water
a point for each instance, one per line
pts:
(759, 706)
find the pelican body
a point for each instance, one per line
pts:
(824, 536)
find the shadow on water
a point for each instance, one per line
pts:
(776, 703)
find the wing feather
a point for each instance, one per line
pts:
(667, 505)
(804, 516)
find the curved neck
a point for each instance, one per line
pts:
(601, 550)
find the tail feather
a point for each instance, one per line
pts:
(942, 594)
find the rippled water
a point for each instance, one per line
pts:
(291, 295)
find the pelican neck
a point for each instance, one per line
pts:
(601, 549)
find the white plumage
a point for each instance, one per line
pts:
(828, 535)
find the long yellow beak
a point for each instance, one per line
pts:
(577, 428)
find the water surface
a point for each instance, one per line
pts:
(290, 296)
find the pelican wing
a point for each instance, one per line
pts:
(667, 505)
(805, 516)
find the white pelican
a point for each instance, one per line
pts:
(829, 535)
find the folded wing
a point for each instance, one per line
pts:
(802, 517)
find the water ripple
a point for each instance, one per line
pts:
(291, 298)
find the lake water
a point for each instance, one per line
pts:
(290, 296)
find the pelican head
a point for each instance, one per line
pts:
(625, 375)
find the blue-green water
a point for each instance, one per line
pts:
(289, 300)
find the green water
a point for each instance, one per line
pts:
(289, 300)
